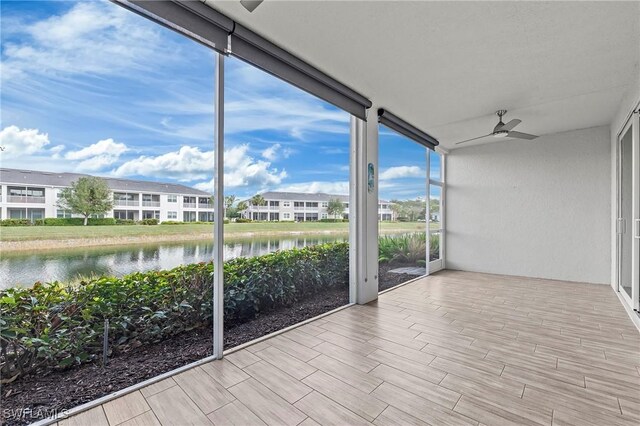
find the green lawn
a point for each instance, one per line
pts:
(25, 233)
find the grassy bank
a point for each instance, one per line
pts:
(43, 233)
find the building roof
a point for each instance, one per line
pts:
(33, 177)
(303, 196)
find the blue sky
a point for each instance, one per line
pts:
(90, 87)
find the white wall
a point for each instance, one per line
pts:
(536, 208)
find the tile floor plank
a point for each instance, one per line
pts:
(361, 403)
(235, 414)
(327, 412)
(125, 408)
(208, 394)
(286, 386)
(265, 404)
(174, 407)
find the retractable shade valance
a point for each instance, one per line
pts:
(399, 125)
(192, 18)
(254, 49)
(205, 25)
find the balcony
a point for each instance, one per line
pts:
(439, 350)
(127, 203)
(189, 205)
(151, 203)
(25, 199)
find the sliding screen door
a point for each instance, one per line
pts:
(628, 224)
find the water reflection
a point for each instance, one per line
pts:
(65, 265)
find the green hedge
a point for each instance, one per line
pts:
(149, 222)
(75, 221)
(52, 326)
(15, 222)
(175, 222)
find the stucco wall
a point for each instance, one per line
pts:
(536, 208)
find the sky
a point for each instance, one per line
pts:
(90, 87)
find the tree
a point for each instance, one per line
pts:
(87, 196)
(434, 209)
(335, 207)
(228, 204)
(240, 208)
(258, 200)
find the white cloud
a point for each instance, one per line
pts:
(97, 156)
(105, 147)
(242, 170)
(400, 172)
(271, 153)
(56, 150)
(338, 188)
(188, 163)
(18, 142)
(90, 37)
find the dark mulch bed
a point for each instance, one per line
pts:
(38, 396)
(388, 279)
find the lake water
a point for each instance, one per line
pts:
(24, 269)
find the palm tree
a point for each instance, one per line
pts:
(258, 200)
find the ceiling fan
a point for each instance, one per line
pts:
(503, 130)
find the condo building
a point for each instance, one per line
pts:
(303, 207)
(30, 194)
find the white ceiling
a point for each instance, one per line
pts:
(446, 67)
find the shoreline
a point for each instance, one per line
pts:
(45, 245)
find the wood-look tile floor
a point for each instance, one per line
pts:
(454, 348)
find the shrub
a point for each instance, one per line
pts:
(408, 248)
(149, 222)
(243, 220)
(125, 222)
(15, 222)
(77, 221)
(331, 220)
(56, 326)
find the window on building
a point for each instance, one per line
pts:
(286, 204)
(324, 215)
(298, 204)
(189, 217)
(325, 204)
(172, 199)
(172, 215)
(286, 215)
(274, 203)
(312, 204)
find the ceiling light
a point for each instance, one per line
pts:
(500, 134)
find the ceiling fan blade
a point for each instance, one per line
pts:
(250, 5)
(473, 139)
(520, 135)
(510, 125)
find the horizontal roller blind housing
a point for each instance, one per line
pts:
(399, 125)
(261, 53)
(192, 18)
